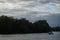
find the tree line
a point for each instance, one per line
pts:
(57, 28)
(10, 25)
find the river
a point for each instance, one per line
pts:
(39, 36)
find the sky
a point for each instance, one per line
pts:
(32, 10)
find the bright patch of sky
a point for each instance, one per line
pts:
(34, 6)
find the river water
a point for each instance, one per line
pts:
(39, 36)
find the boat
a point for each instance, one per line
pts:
(50, 33)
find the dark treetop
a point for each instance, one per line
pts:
(9, 25)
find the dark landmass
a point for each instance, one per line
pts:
(57, 28)
(9, 25)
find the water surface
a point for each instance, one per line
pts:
(39, 36)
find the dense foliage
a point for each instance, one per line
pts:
(9, 25)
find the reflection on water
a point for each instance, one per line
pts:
(40, 36)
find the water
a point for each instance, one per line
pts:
(40, 36)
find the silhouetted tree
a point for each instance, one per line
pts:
(9, 25)
(41, 26)
(6, 24)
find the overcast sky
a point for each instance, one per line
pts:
(32, 10)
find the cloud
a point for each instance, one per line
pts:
(41, 1)
(31, 9)
(32, 5)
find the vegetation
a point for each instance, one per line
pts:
(9, 25)
(56, 28)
